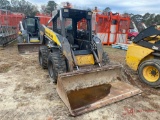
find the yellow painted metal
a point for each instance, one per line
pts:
(52, 35)
(148, 57)
(85, 60)
(147, 73)
(152, 39)
(34, 40)
(136, 54)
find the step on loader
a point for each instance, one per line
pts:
(86, 79)
(28, 40)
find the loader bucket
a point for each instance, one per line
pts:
(26, 48)
(89, 89)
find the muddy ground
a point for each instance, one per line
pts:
(26, 93)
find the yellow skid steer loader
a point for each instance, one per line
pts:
(143, 55)
(28, 40)
(75, 59)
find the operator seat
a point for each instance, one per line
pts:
(33, 30)
(70, 38)
(33, 34)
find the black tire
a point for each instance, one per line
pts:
(56, 64)
(43, 56)
(147, 69)
(105, 58)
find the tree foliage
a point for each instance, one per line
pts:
(47, 9)
(107, 9)
(29, 9)
(21, 6)
(51, 6)
(4, 4)
(147, 18)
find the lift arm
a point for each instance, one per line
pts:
(150, 31)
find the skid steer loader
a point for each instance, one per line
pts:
(28, 40)
(75, 59)
(143, 55)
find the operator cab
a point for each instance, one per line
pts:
(75, 25)
(31, 25)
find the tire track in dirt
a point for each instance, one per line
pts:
(27, 93)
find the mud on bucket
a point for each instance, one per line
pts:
(86, 90)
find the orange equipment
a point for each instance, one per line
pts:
(8, 26)
(110, 27)
(44, 18)
(102, 28)
(8, 18)
(123, 29)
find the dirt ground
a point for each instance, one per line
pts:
(26, 93)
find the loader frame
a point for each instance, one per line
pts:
(81, 68)
(140, 38)
(143, 55)
(29, 38)
(57, 39)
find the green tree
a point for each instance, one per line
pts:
(146, 17)
(23, 6)
(107, 9)
(51, 6)
(5, 4)
(137, 18)
(157, 19)
(128, 14)
(150, 20)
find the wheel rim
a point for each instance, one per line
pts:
(151, 73)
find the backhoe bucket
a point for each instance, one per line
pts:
(26, 48)
(89, 89)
